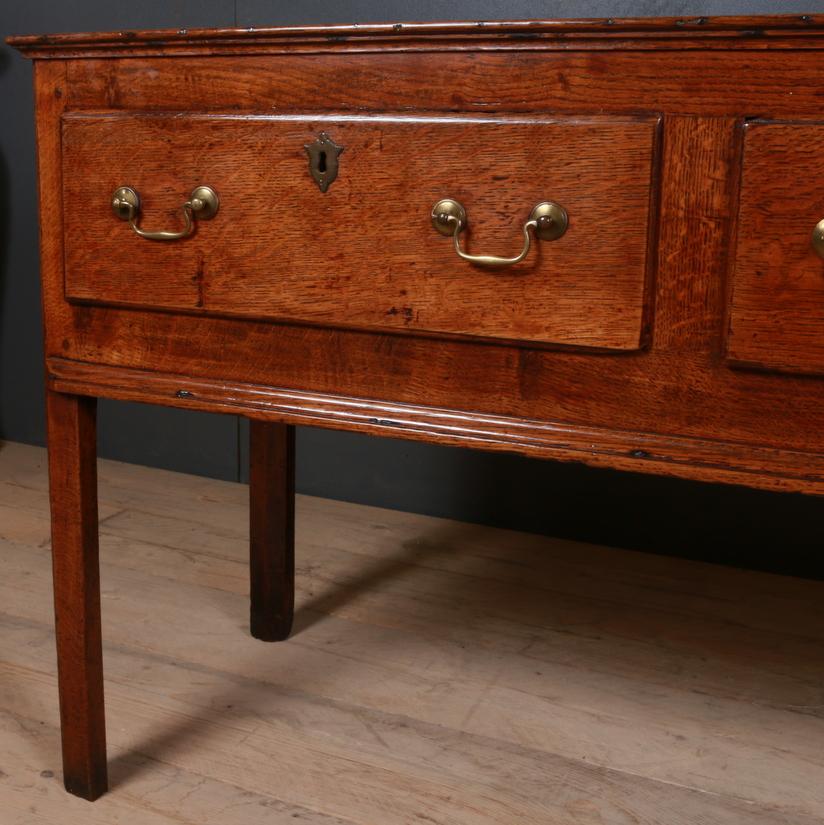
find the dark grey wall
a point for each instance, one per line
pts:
(750, 528)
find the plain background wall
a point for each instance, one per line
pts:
(733, 525)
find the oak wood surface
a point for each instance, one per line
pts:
(71, 434)
(472, 674)
(364, 253)
(698, 206)
(703, 459)
(728, 83)
(680, 387)
(72, 443)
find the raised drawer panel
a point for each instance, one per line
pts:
(777, 312)
(364, 254)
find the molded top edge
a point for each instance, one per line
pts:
(597, 28)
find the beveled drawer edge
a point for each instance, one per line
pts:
(678, 456)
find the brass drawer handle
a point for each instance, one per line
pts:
(547, 219)
(203, 204)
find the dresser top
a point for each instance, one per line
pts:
(753, 32)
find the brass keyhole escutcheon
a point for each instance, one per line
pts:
(323, 160)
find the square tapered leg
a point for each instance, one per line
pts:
(72, 446)
(272, 529)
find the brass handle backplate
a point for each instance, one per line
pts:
(548, 220)
(202, 204)
(818, 238)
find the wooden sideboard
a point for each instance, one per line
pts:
(276, 223)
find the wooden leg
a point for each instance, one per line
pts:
(73, 492)
(272, 529)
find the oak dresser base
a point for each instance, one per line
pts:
(298, 226)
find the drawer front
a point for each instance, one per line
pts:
(364, 253)
(777, 311)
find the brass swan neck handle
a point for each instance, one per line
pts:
(547, 220)
(202, 204)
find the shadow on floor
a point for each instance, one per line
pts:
(632, 630)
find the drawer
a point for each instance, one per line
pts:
(777, 310)
(364, 253)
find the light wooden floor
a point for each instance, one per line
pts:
(439, 673)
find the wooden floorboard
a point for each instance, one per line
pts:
(439, 673)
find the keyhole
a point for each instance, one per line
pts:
(323, 159)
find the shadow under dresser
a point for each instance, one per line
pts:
(596, 241)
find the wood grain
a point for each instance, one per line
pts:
(682, 457)
(364, 253)
(626, 80)
(698, 206)
(71, 434)
(73, 494)
(678, 387)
